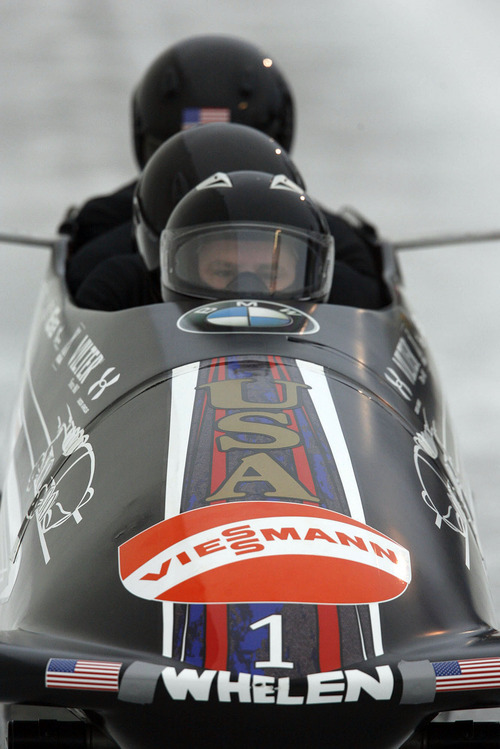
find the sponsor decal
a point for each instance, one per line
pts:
(66, 673)
(338, 686)
(248, 316)
(264, 552)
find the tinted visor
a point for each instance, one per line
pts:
(239, 260)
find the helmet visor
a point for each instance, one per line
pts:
(147, 240)
(238, 260)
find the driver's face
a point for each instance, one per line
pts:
(223, 260)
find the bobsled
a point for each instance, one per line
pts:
(238, 523)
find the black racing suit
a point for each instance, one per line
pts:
(104, 270)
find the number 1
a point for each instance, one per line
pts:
(275, 642)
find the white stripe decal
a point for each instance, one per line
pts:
(184, 381)
(378, 645)
(314, 376)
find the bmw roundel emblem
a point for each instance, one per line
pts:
(247, 316)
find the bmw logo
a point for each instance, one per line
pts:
(247, 316)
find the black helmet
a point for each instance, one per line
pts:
(247, 235)
(210, 78)
(190, 157)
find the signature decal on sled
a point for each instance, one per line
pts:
(84, 361)
(436, 471)
(264, 552)
(53, 505)
(408, 371)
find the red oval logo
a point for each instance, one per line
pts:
(251, 552)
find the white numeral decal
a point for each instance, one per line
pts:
(275, 642)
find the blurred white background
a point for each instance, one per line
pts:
(398, 115)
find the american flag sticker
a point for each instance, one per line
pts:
(66, 673)
(477, 673)
(204, 115)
